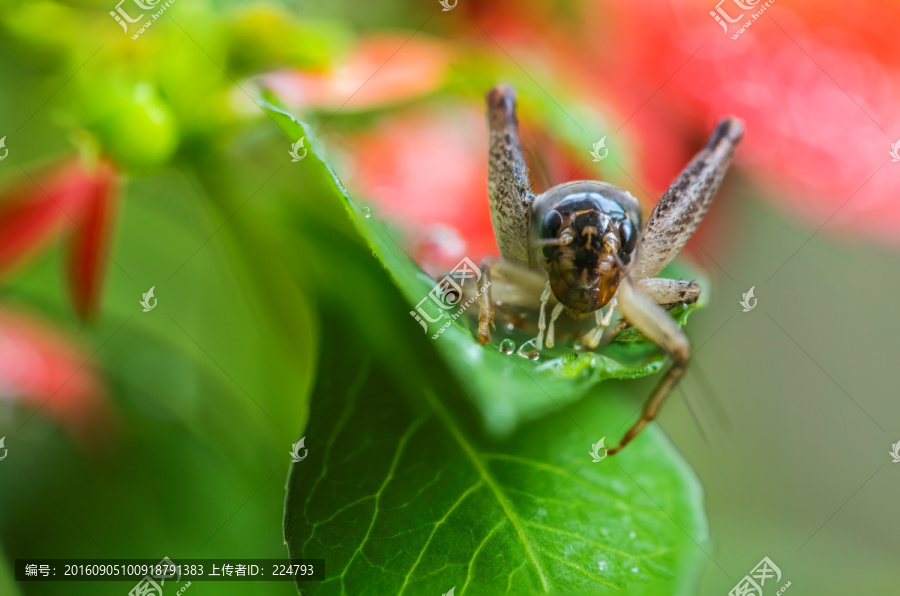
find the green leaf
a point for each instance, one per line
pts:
(403, 493)
(507, 389)
(444, 464)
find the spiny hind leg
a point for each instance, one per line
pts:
(670, 292)
(509, 189)
(680, 210)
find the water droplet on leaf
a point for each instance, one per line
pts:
(507, 346)
(528, 350)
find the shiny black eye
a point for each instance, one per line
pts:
(550, 229)
(552, 223)
(626, 233)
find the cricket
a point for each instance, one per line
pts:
(582, 246)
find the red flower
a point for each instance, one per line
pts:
(815, 88)
(381, 69)
(46, 370)
(428, 171)
(74, 201)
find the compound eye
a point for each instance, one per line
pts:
(628, 235)
(550, 230)
(552, 224)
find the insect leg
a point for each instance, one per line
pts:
(655, 323)
(506, 283)
(486, 310)
(680, 210)
(670, 292)
(508, 186)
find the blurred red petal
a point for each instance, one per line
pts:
(45, 369)
(89, 245)
(406, 67)
(32, 212)
(815, 90)
(428, 171)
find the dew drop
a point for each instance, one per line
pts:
(602, 565)
(632, 535)
(635, 569)
(475, 353)
(367, 211)
(510, 327)
(528, 350)
(507, 346)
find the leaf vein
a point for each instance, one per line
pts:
(437, 525)
(489, 480)
(475, 554)
(568, 563)
(400, 447)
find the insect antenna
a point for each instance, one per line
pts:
(697, 391)
(566, 240)
(539, 170)
(690, 409)
(711, 398)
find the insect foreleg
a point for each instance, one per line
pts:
(654, 322)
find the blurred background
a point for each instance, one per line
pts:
(165, 433)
